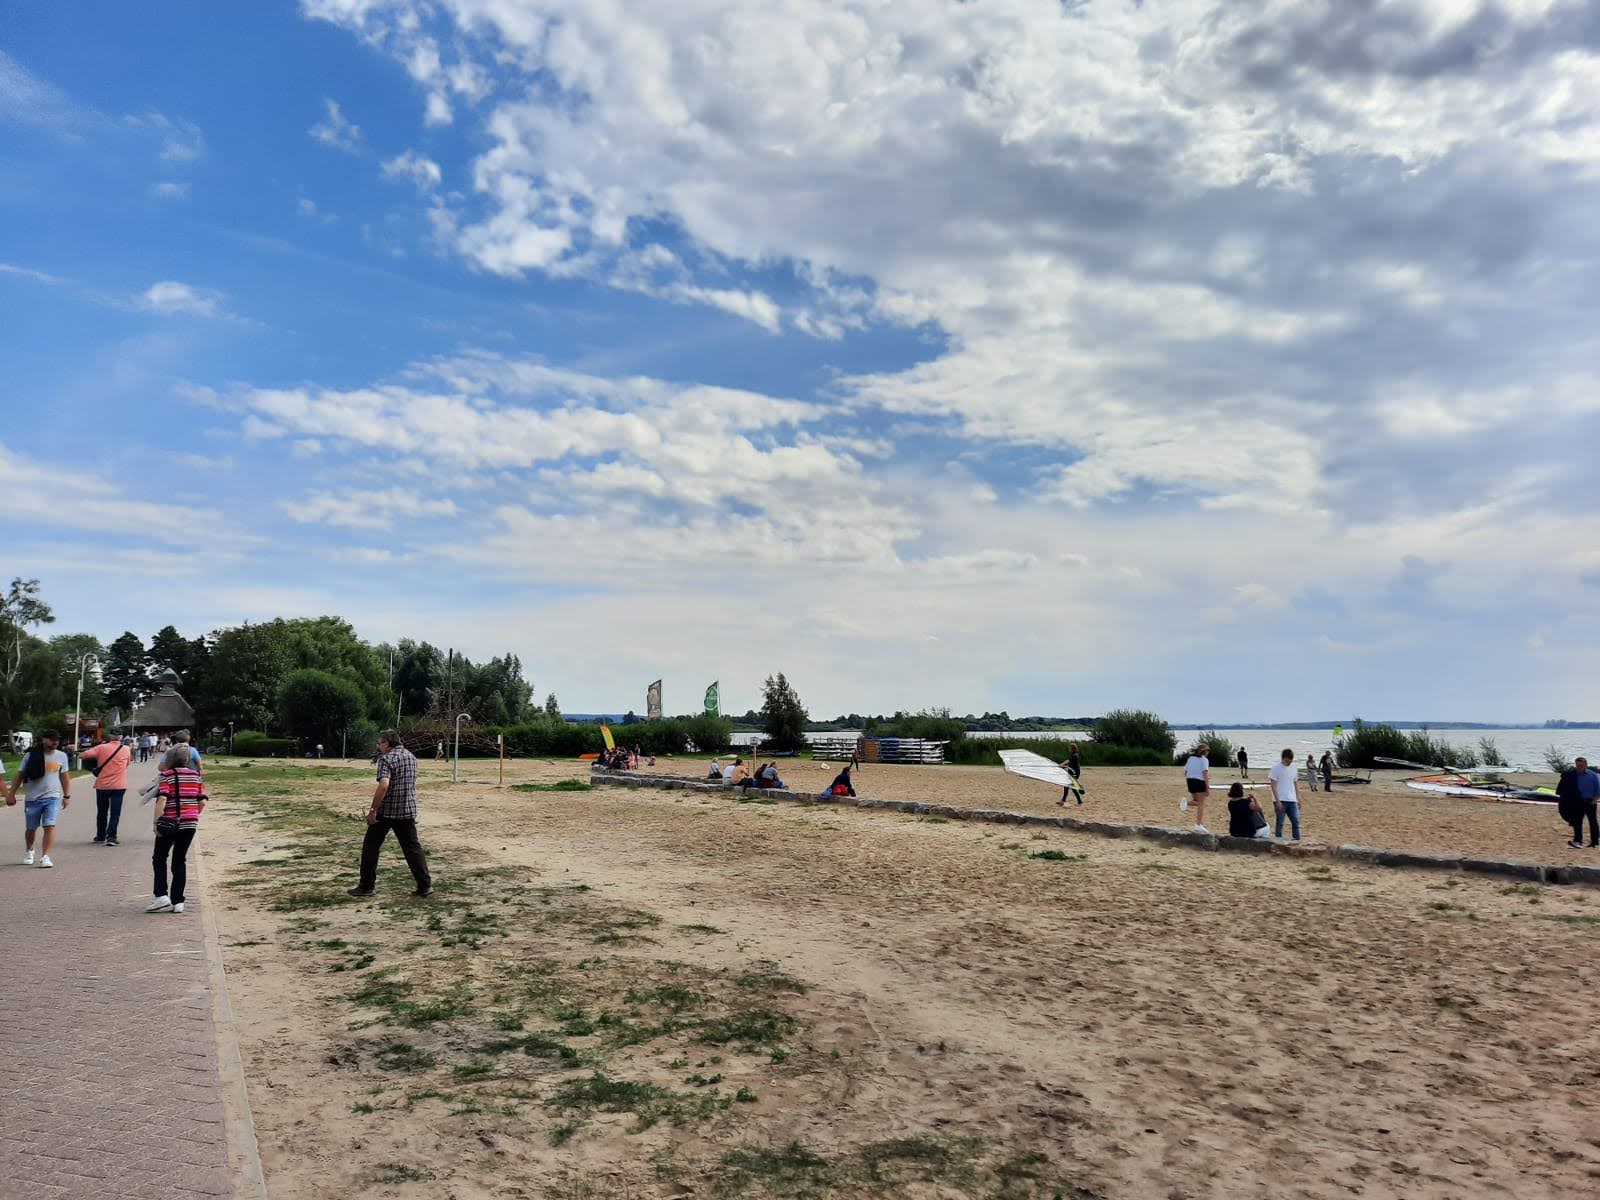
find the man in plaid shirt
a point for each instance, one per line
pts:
(394, 806)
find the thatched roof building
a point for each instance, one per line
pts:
(166, 711)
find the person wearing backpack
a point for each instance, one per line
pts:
(108, 763)
(46, 789)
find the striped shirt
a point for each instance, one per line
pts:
(399, 766)
(182, 793)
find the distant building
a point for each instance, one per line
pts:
(166, 711)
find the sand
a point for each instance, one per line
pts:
(1157, 1022)
(1382, 813)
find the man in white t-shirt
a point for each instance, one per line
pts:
(1197, 785)
(1285, 800)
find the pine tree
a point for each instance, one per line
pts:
(126, 672)
(782, 715)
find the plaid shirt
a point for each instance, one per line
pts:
(399, 767)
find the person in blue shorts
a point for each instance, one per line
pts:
(46, 789)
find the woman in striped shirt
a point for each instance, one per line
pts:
(180, 798)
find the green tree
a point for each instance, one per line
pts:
(495, 693)
(552, 707)
(189, 657)
(248, 663)
(782, 714)
(319, 706)
(20, 609)
(418, 676)
(69, 649)
(125, 672)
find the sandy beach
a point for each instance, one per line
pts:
(942, 1012)
(1382, 813)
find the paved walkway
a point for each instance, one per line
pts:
(109, 1083)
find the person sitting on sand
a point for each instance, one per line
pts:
(767, 776)
(715, 770)
(736, 773)
(841, 785)
(1197, 779)
(1245, 818)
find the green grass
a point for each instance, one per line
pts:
(564, 785)
(1063, 856)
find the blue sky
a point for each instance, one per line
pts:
(1235, 361)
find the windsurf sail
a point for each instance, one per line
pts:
(605, 732)
(1036, 766)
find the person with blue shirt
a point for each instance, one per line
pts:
(1577, 796)
(46, 789)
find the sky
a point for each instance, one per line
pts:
(1235, 360)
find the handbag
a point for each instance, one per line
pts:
(96, 767)
(168, 826)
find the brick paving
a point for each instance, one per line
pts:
(109, 1080)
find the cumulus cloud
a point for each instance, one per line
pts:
(170, 298)
(337, 130)
(358, 509)
(1310, 282)
(423, 172)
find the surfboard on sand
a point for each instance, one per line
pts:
(1036, 766)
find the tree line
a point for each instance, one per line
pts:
(313, 678)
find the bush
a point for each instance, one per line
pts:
(1136, 727)
(783, 716)
(930, 726)
(251, 744)
(1365, 744)
(709, 734)
(1556, 759)
(985, 752)
(1489, 753)
(1220, 752)
(317, 706)
(549, 738)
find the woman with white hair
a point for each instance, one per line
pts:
(180, 799)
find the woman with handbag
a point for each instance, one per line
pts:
(180, 798)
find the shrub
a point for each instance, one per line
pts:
(1365, 744)
(317, 706)
(1136, 727)
(932, 726)
(1489, 753)
(985, 752)
(1556, 759)
(709, 734)
(251, 744)
(783, 716)
(1220, 752)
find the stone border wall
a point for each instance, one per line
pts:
(1164, 834)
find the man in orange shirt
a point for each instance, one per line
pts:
(109, 762)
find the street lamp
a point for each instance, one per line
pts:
(455, 767)
(77, 709)
(230, 737)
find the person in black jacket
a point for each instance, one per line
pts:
(1576, 795)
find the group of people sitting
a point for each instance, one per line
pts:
(740, 775)
(620, 758)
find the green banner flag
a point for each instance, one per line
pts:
(712, 699)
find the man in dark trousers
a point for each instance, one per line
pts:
(1577, 794)
(394, 806)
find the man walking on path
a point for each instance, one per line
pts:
(46, 790)
(1577, 796)
(109, 762)
(394, 806)
(1285, 800)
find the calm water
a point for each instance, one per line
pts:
(1520, 747)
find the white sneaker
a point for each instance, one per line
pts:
(178, 907)
(1201, 829)
(27, 859)
(45, 861)
(1183, 805)
(159, 904)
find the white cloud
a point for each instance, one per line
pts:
(337, 130)
(376, 509)
(29, 273)
(423, 172)
(171, 298)
(40, 492)
(169, 190)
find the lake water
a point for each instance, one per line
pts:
(1519, 747)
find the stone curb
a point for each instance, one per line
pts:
(1378, 856)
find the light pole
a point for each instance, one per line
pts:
(230, 737)
(455, 767)
(77, 709)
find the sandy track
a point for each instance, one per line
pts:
(1161, 1022)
